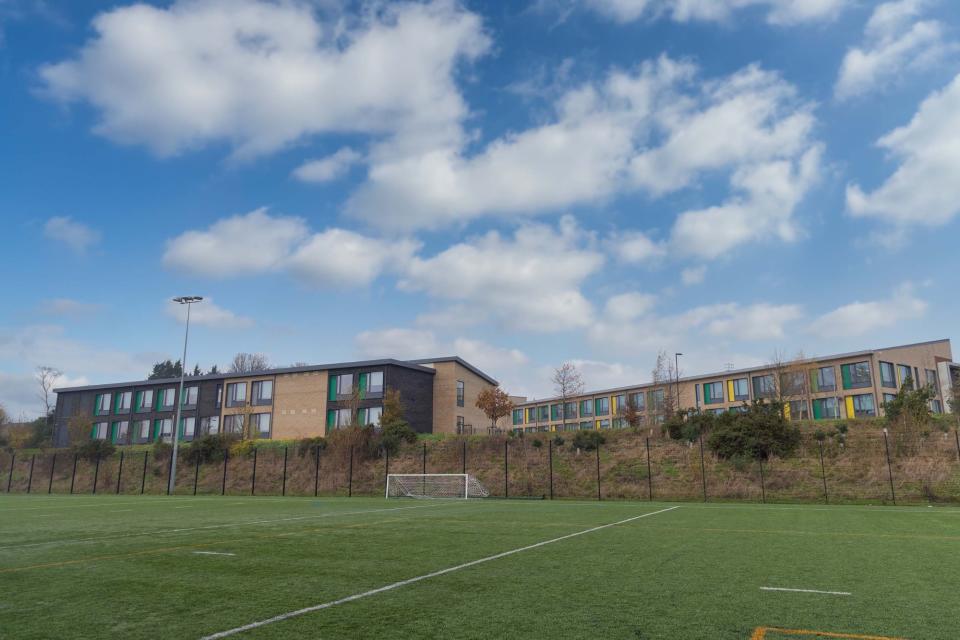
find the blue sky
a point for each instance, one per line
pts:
(519, 183)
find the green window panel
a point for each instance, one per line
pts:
(332, 388)
(113, 432)
(331, 416)
(363, 386)
(555, 412)
(847, 378)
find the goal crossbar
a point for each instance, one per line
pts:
(434, 485)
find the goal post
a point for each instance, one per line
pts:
(434, 485)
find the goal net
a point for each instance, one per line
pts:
(434, 485)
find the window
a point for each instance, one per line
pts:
(932, 379)
(517, 416)
(792, 383)
(210, 425)
(339, 418)
(555, 412)
(586, 426)
(233, 423)
(935, 406)
(570, 410)
(799, 410)
(603, 424)
(188, 427)
(889, 397)
(586, 408)
(100, 430)
(124, 400)
(167, 398)
(190, 395)
(375, 383)
(261, 392)
(102, 406)
(655, 398)
(219, 396)
(824, 379)
(826, 409)
(601, 406)
(459, 393)
(142, 430)
(461, 424)
(543, 413)
(236, 394)
(341, 386)
(763, 386)
(619, 402)
(888, 375)
(638, 400)
(121, 431)
(144, 400)
(261, 424)
(905, 376)
(531, 414)
(165, 428)
(619, 423)
(373, 415)
(862, 406)
(738, 389)
(856, 375)
(713, 393)
(717, 412)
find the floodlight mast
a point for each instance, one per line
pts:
(187, 300)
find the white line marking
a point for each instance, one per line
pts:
(213, 553)
(829, 593)
(216, 526)
(402, 583)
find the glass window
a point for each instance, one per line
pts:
(888, 375)
(233, 423)
(856, 375)
(261, 392)
(586, 408)
(375, 382)
(190, 395)
(341, 385)
(544, 413)
(121, 431)
(889, 397)
(124, 400)
(799, 410)
(261, 423)
(236, 394)
(219, 396)
(517, 416)
(905, 376)
(932, 379)
(655, 399)
(601, 406)
(210, 425)
(717, 412)
(763, 386)
(167, 398)
(604, 424)
(935, 406)
(531, 414)
(792, 383)
(826, 409)
(103, 404)
(555, 412)
(639, 400)
(863, 406)
(189, 427)
(570, 410)
(713, 393)
(100, 430)
(459, 393)
(825, 379)
(586, 426)
(143, 429)
(741, 389)
(373, 415)
(145, 400)
(619, 402)
(165, 428)
(461, 423)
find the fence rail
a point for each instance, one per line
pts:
(861, 467)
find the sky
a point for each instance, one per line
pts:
(521, 184)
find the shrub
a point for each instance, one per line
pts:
(758, 433)
(162, 450)
(396, 433)
(588, 440)
(243, 448)
(558, 440)
(689, 425)
(537, 443)
(95, 449)
(310, 446)
(209, 448)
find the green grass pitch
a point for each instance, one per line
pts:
(184, 567)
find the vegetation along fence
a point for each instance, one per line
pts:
(855, 463)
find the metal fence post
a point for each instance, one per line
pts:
(283, 490)
(550, 458)
(143, 476)
(886, 446)
(120, 472)
(96, 475)
(13, 460)
(463, 459)
(386, 467)
(169, 474)
(73, 476)
(30, 479)
(53, 466)
(703, 470)
(253, 480)
(316, 474)
(649, 474)
(506, 470)
(350, 473)
(196, 474)
(823, 474)
(763, 488)
(956, 436)
(599, 495)
(424, 471)
(223, 482)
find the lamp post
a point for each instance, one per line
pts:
(187, 300)
(676, 362)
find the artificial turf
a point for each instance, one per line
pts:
(128, 567)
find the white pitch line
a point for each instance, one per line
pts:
(829, 593)
(213, 553)
(426, 576)
(213, 526)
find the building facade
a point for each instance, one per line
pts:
(438, 396)
(832, 387)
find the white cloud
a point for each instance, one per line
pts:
(67, 307)
(925, 188)
(402, 344)
(330, 168)
(779, 12)
(75, 235)
(628, 306)
(208, 314)
(895, 43)
(261, 75)
(861, 318)
(693, 275)
(636, 247)
(20, 394)
(242, 244)
(769, 194)
(340, 258)
(530, 281)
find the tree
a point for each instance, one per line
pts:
(495, 404)
(394, 428)
(631, 413)
(664, 374)
(196, 370)
(908, 415)
(4, 417)
(567, 383)
(78, 427)
(214, 370)
(247, 362)
(46, 378)
(165, 369)
(757, 433)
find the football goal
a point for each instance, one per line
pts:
(434, 485)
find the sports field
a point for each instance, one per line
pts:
(193, 567)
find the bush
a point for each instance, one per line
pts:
(558, 440)
(209, 448)
(588, 440)
(310, 446)
(243, 448)
(758, 433)
(162, 450)
(537, 443)
(394, 434)
(95, 449)
(689, 425)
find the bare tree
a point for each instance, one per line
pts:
(664, 378)
(567, 383)
(791, 380)
(631, 413)
(247, 362)
(46, 377)
(4, 418)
